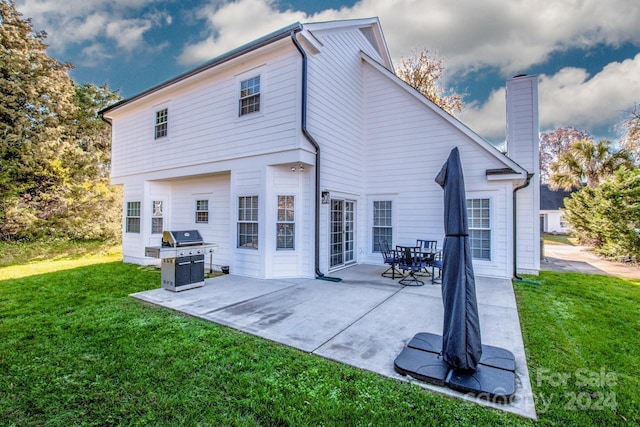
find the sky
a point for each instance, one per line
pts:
(585, 52)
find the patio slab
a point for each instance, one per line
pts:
(364, 321)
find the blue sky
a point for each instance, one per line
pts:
(586, 52)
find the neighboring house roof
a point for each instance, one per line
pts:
(552, 200)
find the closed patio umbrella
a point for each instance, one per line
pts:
(461, 341)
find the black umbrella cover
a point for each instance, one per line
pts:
(461, 341)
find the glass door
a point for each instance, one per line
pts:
(342, 232)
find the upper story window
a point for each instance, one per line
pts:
(202, 211)
(250, 95)
(132, 223)
(479, 220)
(162, 120)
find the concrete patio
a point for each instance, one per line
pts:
(363, 321)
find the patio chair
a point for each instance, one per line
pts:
(410, 260)
(429, 250)
(389, 257)
(436, 264)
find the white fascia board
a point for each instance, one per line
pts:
(520, 172)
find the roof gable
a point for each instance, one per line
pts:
(515, 171)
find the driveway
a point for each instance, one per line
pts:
(579, 259)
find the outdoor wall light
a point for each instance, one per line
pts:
(300, 168)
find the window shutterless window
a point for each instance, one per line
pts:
(157, 217)
(286, 223)
(382, 223)
(248, 222)
(202, 211)
(132, 221)
(250, 95)
(162, 121)
(479, 220)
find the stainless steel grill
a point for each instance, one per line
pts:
(182, 259)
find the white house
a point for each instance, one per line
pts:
(297, 152)
(551, 216)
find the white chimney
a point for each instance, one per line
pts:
(523, 146)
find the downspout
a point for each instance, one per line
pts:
(515, 223)
(316, 146)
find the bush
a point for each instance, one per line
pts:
(607, 217)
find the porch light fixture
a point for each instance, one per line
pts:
(300, 168)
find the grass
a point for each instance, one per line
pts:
(559, 239)
(582, 338)
(76, 350)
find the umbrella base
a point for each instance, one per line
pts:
(493, 380)
(496, 357)
(422, 365)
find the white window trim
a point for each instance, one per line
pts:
(195, 210)
(239, 78)
(126, 216)
(237, 218)
(164, 215)
(155, 109)
(394, 220)
(492, 224)
(294, 222)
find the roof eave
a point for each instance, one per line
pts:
(228, 56)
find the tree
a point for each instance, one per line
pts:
(607, 217)
(35, 91)
(423, 72)
(54, 150)
(631, 126)
(586, 162)
(553, 144)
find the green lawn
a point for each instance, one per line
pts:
(75, 349)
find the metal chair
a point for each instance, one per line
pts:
(410, 260)
(436, 263)
(429, 250)
(389, 257)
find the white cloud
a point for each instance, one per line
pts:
(568, 98)
(88, 23)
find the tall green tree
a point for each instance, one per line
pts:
(607, 217)
(54, 150)
(587, 162)
(423, 72)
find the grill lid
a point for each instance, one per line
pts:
(181, 238)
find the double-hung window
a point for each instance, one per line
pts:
(157, 217)
(162, 122)
(286, 223)
(382, 223)
(248, 222)
(250, 95)
(132, 221)
(479, 221)
(202, 211)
